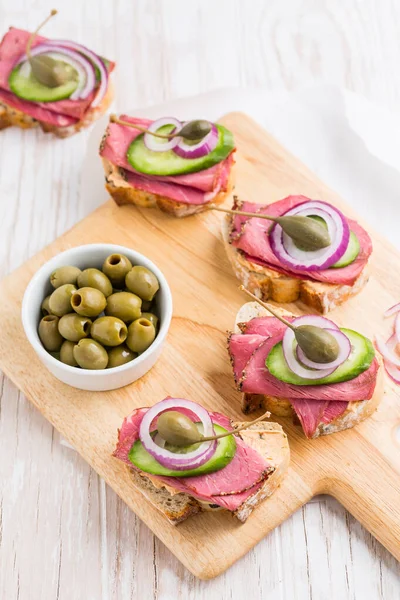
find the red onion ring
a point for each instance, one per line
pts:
(202, 148)
(284, 248)
(87, 77)
(387, 349)
(171, 460)
(96, 60)
(344, 352)
(156, 144)
(289, 347)
(392, 310)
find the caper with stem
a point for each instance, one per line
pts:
(307, 233)
(177, 429)
(192, 131)
(318, 344)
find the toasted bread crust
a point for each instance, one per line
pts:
(10, 116)
(268, 438)
(356, 411)
(123, 193)
(268, 284)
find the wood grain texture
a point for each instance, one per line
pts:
(360, 467)
(280, 43)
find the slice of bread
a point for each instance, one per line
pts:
(10, 116)
(356, 411)
(268, 439)
(268, 284)
(123, 193)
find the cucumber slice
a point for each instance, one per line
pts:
(24, 85)
(351, 253)
(360, 359)
(149, 162)
(225, 452)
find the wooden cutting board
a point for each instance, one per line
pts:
(360, 467)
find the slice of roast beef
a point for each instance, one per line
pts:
(12, 48)
(250, 236)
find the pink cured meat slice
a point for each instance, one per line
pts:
(314, 412)
(12, 48)
(248, 465)
(36, 111)
(250, 235)
(241, 348)
(115, 148)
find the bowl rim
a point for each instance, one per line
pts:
(31, 330)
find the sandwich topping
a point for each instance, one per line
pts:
(267, 360)
(284, 246)
(224, 470)
(154, 157)
(54, 81)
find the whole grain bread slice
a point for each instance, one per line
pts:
(268, 284)
(356, 411)
(267, 438)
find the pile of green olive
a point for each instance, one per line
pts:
(100, 319)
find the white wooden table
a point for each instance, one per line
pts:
(63, 534)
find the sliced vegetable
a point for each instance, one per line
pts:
(392, 310)
(224, 453)
(24, 85)
(149, 162)
(172, 460)
(387, 350)
(295, 258)
(185, 149)
(353, 250)
(165, 126)
(360, 359)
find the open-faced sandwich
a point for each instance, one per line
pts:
(178, 167)
(325, 378)
(297, 249)
(186, 460)
(58, 85)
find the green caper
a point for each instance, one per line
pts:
(74, 327)
(151, 317)
(89, 354)
(120, 355)
(89, 302)
(195, 130)
(46, 306)
(124, 305)
(49, 334)
(64, 275)
(109, 331)
(318, 344)
(67, 354)
(177, 429)
(141, 334)
(116, 266)
(142, 282)
(60, 300)
(95, 279)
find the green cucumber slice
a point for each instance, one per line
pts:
(352, 251)
(225, 452)
(24, 85)
(149, 162)
(360, 359)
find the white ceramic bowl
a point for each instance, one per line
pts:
(93, 255)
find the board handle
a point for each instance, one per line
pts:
(368, 486)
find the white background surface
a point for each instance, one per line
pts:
(63, 534)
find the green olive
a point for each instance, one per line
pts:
(151, 317)
(64, 275)
(124, 305)
(116, 266)
(142, 282)
(74, 327)
(141, 334)
(88, 302)
(46, 306)
(109, 331)
(60, 300)
(89, 354)
(95, 279)
(49, 334)
(120, 355)
(67, 354)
